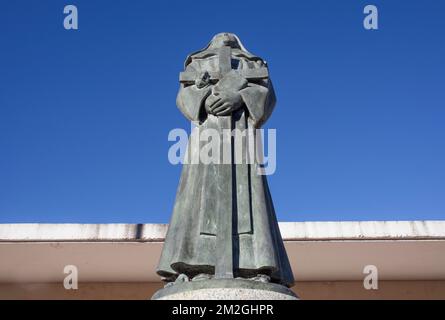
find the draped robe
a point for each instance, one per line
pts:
(191, 240)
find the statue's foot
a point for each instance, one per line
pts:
(202, 276)
(179, 279)
(182, 278)
(261, 278)
(168, 281)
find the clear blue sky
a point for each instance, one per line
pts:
(84, 115)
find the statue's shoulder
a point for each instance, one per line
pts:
(204, 54)
(246, 55)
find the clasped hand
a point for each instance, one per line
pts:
(223, 103)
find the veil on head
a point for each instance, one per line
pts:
(242, 48)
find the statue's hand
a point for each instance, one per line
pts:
(211, 99)
(223, 103)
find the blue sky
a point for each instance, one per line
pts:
(85, 114)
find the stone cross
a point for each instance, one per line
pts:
(225, 65)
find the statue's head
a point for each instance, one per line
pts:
(220, 40)
(224, 39)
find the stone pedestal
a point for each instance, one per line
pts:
(225, 289)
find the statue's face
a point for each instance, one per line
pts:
(224, 39)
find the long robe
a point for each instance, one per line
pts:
(190, 244)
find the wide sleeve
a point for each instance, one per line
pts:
(260, 100)
(190, 98)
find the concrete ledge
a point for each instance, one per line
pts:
(318, 251)
(20, 232)
(291, 231)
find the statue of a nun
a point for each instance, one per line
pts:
(223, 223)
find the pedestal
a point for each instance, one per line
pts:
(225, 289)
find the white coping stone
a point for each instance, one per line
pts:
(290, 231)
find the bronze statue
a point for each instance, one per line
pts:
(223, 224)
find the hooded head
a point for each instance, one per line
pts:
(224, 39)
(220, 40)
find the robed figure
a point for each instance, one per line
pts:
(223, 223)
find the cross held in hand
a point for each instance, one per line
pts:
(225, 66)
